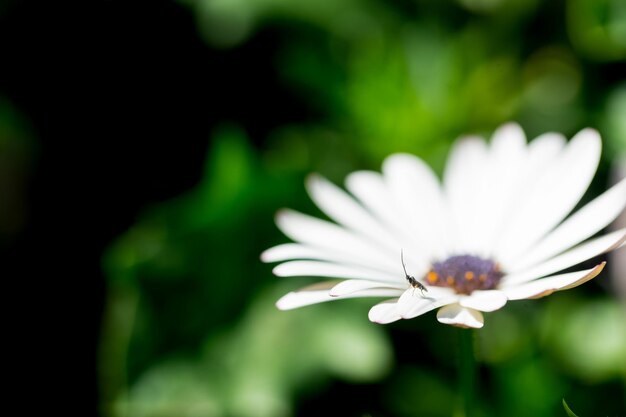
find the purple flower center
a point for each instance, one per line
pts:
(464, 273)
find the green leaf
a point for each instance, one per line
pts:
(569, 412)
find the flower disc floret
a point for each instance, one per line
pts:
(465, 274)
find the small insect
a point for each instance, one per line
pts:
(412, 281)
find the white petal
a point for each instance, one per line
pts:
(587, 221)
(413, 297)
(488, 300)
(465, 183)
(572, 257)
(350, 286)
(554, 196)
(318, 293)
(506, 161)
(424, 306)
(545, 149)
(457, 315)
(384, 312)
(419, 306)
(407, 300)
(417, 192)
(484, 186)
(293, 251)
(331, 270)
(508, 139)
(546, 286)
(342, 208)
(310, 294)
(331, 237)
(371, 190)
(541, 154)
(290, 251)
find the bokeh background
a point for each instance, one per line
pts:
(145, 147)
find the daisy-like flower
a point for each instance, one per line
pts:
(496, 229)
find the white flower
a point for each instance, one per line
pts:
(494, 231)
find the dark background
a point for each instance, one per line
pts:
(122, 97)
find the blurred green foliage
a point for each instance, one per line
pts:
(18, 151)
(569, 412)
(190, 327)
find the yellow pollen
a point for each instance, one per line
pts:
(432, 277)
(482, 277)
(469, 275)
(450, 280)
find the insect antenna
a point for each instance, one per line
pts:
(402, 260)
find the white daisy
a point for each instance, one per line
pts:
(495, 230)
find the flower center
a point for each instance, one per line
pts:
(465, 273)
